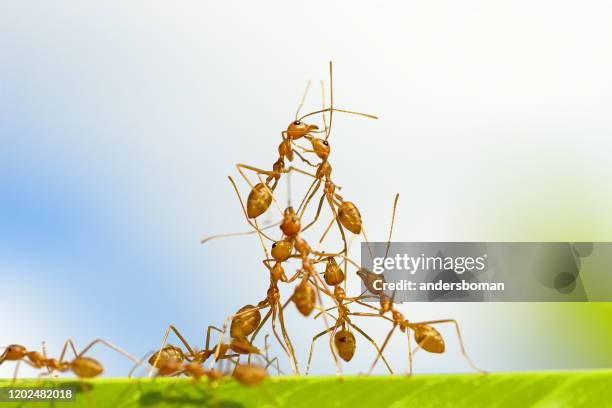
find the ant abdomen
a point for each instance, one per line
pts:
(168, 353)
(345, 344)
(259, 200)
(249, 374)
(429, 339)
(349, 216)
(86, 367)
(333, 273)
(304, 298)
(246, 323)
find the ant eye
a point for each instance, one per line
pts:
(297, 122)
(274, 245)
(326, 143)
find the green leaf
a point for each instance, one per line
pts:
(513, 390)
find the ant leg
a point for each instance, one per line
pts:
(239, 234)
(367, 241)
(409, 352)
(316, 217)
(326, 230)
(323, 333)
(332, 348)
(3, 355)
(263, 321)
(298, 170)
(140, 362)
(276, 366)
(461, 345)
(280, 210)
(259, 327)
(208, 331)
(241, 166)
(354, 326)
(261, 241)
(281, 319)
(364, 314)
(382, 348)
(16, 372)
(316, 279)
(70, 343)
(392, 222)
(278, 338)
(343, 235)
(109, 345)
(305, 160)
(308, 196)
(245, 212)
(267, 357)
(44, 353)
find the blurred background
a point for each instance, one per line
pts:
(120, 122)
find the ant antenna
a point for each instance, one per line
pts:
(331, 100)
(392, 222)
(297, 112)
(323, 105)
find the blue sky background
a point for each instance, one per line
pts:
(119, 123)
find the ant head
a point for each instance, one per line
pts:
(320, 147)
(13, 352)
(291, 223)
(281, 250)
(297, 129)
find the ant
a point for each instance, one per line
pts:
(168, 357)
(81, 366)
(343, 339)
(261, 196)
(425, 334)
